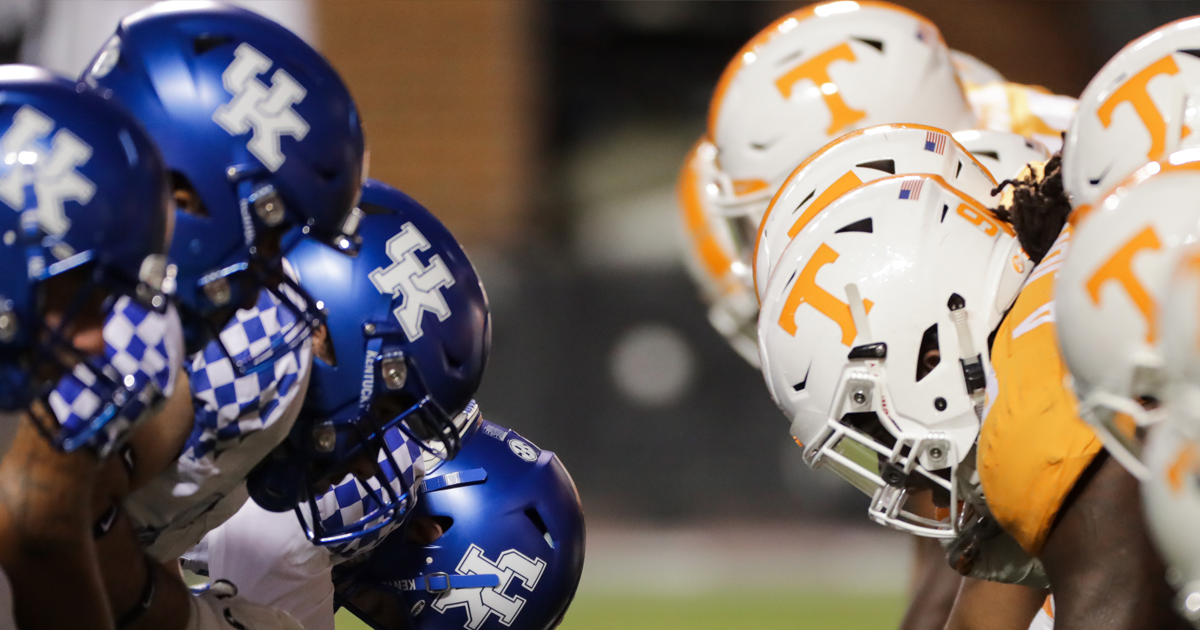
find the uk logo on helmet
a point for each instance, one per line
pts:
(419, 285)
(53, 175)
(482, 602)
(268, 112)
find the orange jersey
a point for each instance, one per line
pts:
(1029, 110)
(1033, 446)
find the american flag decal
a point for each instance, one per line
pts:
(911, 189)
(935, 142)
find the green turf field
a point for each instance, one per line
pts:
(723, 611)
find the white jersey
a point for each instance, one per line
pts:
(239, 420)
(1024, 109)
(273, 564)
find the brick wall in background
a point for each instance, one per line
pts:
(446, 92)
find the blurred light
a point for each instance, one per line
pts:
(834, 8)
(749, 57)
(829, 88)
(788, 25)
(1184, 156)
(652, 365)
(26, 157)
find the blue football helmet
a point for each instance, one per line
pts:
(511, 553)
(259, 134)
(408, 335)
(84, 223)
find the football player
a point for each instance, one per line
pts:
(503, 513)
(1047, 476)
(1171, 492)
(810, 77)
(403, 355)
(260, 136)
(886, 386)
(408, 351)
(90, 344)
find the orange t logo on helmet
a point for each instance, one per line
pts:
(806, 291)
(1134, 92)
(1120, 269)
(817, 71)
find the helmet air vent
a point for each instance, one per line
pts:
(208, 41)
(929, 354)
(537, 521)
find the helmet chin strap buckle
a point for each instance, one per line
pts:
(971, 361)
(268, 206)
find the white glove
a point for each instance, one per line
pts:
(219, 608)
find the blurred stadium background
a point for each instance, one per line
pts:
(547, 135)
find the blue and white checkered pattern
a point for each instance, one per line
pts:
(101, 404)
(349, 501)
(234, 406)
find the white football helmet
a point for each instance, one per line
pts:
(973, 71)
(814, 75)
(1003, 153)
(1171, 493)
(1143, 105)
(858, 157)
(873, 336)
(709, 254)
(1109, 292)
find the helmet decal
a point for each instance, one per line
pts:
(267, 111)
(806, 291)
(481, 602)
(1134, 92)
(419, 285)
(55, 178)
(1119, 268)
(816, 70)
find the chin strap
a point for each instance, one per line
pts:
(439, 583)
(971, 361)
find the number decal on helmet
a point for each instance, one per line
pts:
(1120, 268)
(817, 71)
(1134, 92)
(806, 291)
(983, 220)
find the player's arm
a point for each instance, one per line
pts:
(141, 593)
(1099, 558)
(933, 588)
(157, 443)
(45, 536)
(983, 605)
